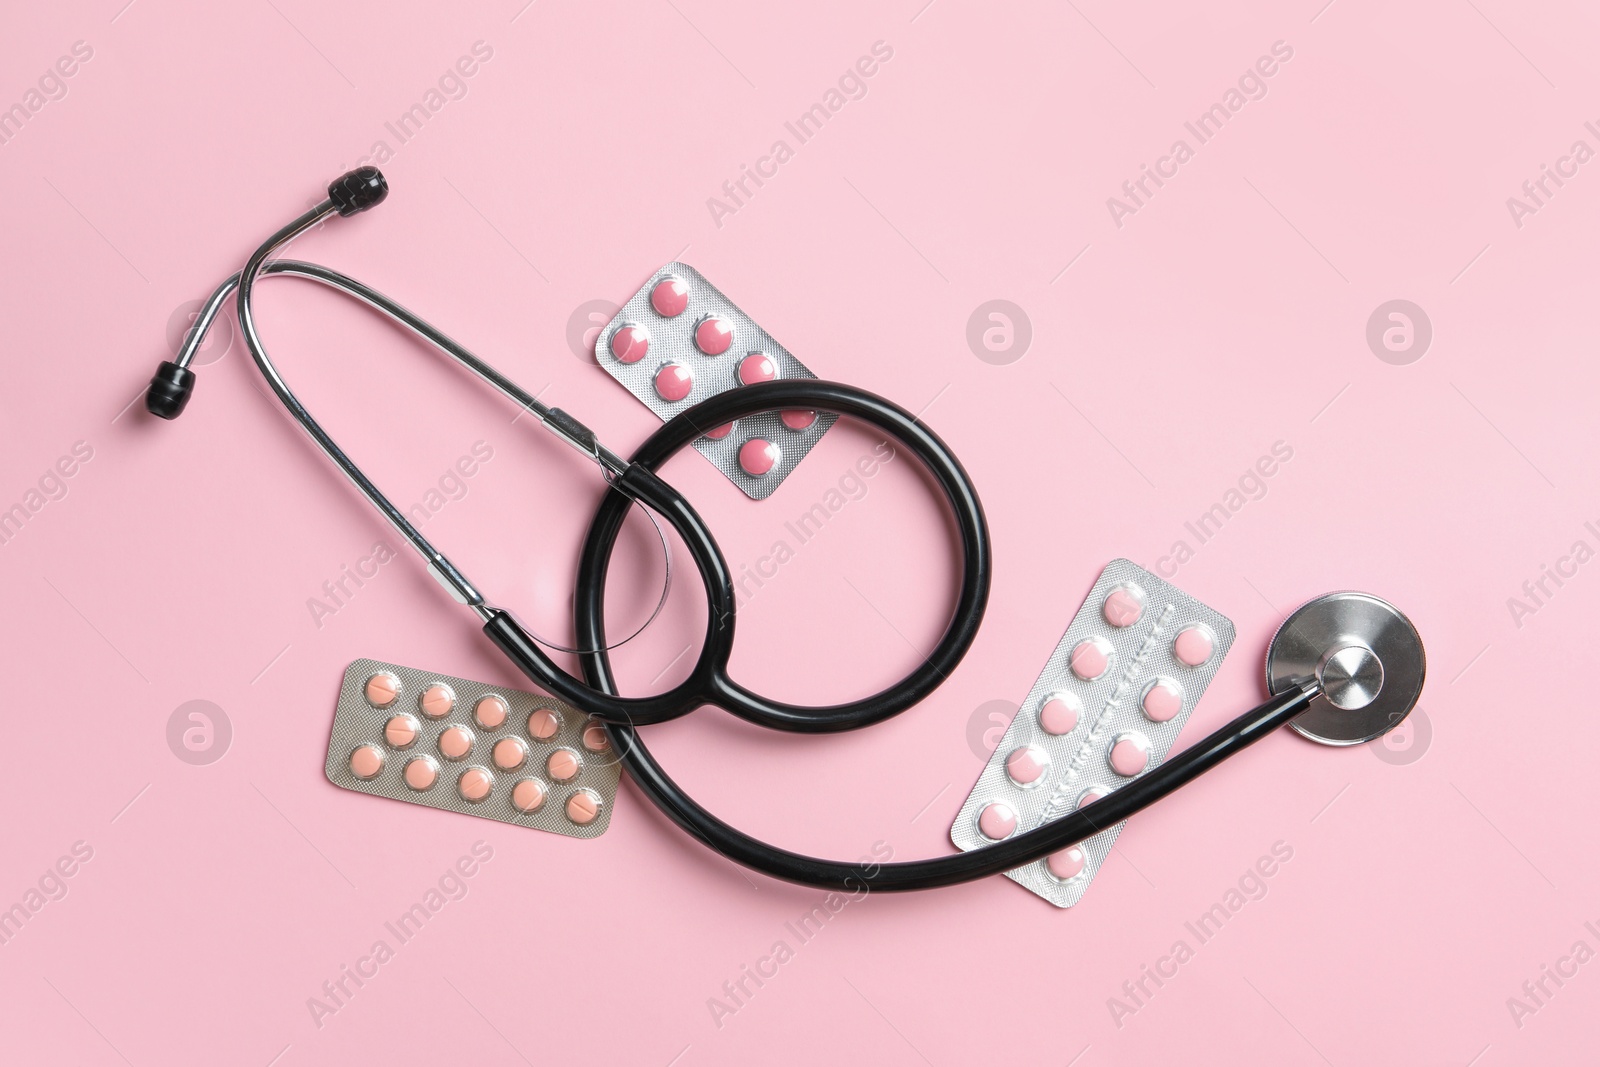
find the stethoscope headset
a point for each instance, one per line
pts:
(1343, 669)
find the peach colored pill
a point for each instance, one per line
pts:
(1122, 608)
(798, 420)
(1066, 864)
(436, 701)
(583, 806)
(563, 765)
(669, 297)
(595, 739)
(421, 773)
(1059, 715)
(720, 432)
(490, 712)
(383, 690)
(1162, 700)
(474, 784)
(544, 724)
(455, 742)
(1027, 764)
(366, 761)
(630, 344)
(509, 753)
(528, 795)
(401, 731)
(1091, 658)
(997, 822)
(1193, 647)
(713, 335)
(1130, 755)
(1092, 794)
(757, 367)
(758, 456)
(673, 382)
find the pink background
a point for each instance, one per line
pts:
(1227, 314)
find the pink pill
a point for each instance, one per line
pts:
(1059, 715)
(563, 765)
(757, 367)
(421, 773)
(583, 807)
(713, 335)
(1193, 646)
(383, 690)
(491, 712)
(1066, 864)
(630, 344)
(1091, 658)
(669, 297)
(720, 432)
(758, 456)
(798, 420)
(1123, 607)
(528, 795)
(366, 762)
(673, 382)
(436, 701)
(455, 742)
(509, 753)
(544, 724)
(1162, 700)
(1027, 765)
(1130, 755)
(1092, 794)
(401, 731)
(997, 822)
(474, 784)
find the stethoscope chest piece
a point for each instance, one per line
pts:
(1365, 656)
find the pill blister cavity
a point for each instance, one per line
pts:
(758, 456)
(1059, 714)
(1091, 658)
(595, 738)
(421, 773)
(1130, 755)
(544, 724)
(455, 742)
(527, 796)
(630, 344)
(757, 367)
(1162, 700)
(1123, 606)
(1193, 646)
(670, 297)
(673, 382)
(583, 807)
(490, 712)
(509, 753)
(1067, 864)
(1092, 794)
(401, 731)
(713, 335)
(366, 762)
(475, 784)
(382, 690)
(563, 765)
(437, 701)
(1026, 765)
(720, 432)
(798, 420)
(997, 821)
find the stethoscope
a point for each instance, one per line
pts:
(1343, 669)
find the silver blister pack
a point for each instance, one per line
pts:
(1107, 707)
(439, 741)
(659, 346)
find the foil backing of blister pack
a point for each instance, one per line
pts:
(671, 340)
(358, 723)
(1141, 655)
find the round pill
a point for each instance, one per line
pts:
(509, 753)
(474, 784)
(997, 821)
(1092, 794)
(1162, 700)
(1123, 607)
(798, 420)
(583, 807)
(383, 690)
(421, 773)
(1066, 864)
(401, 731)
(669, 297)
(490, 712)
(713, 335)
(1193, 647)
(528, 795)
(1091, 658)
(758, 456)
(720, 432)
(1059, 715)
(673, 382)
(1027, 765)
(630, 344)
(1130, 755)
(757, 367)
(366, 761)
(563, 765)
(544, 724)
(595, 739)
(455, 742)
(436, 701)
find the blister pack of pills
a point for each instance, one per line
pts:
(484, 750)
(678, 341)
(1107, 707)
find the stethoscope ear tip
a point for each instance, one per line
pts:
(358, 190)
(169, 390)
